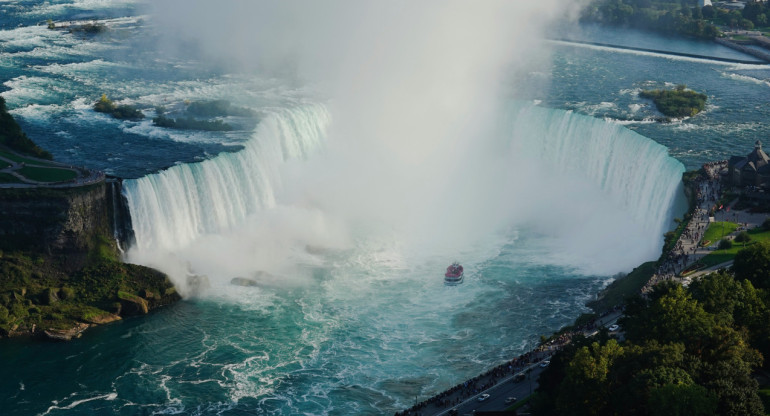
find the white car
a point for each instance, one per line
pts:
(614, 327)
(483, 397)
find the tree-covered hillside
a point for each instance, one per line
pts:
(684, 351)
(12, 137)
(677, 17)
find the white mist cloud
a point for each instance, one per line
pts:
(414, 87)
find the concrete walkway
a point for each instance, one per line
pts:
(688, 249)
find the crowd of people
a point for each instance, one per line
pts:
(684, 253)
(459, 393)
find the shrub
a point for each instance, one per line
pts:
(67, 293)
(104, 105)
(725, 244)
(742, 237)
(765, 224)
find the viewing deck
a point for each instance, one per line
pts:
(17, 171)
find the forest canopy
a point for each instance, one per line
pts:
(676, 17)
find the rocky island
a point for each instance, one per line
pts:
(679, 102)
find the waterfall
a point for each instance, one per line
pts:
(624, 185)
(172, 208)
(634, 172)
(121, 218)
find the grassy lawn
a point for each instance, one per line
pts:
(618, 290)
(48, 174)
(8, 178)
(717, 230)
(721, 256)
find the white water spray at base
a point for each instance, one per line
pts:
(597, 193)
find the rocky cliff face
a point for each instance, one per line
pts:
(60, 269)
(55, 221)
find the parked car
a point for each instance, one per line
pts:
(544, 364)
(483, 397)
(518, 377)
(614, 327)
(510, 400)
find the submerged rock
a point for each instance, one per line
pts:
(66, 334)
(103, 319)
(132, 304)
(197, 284)
(243, 281)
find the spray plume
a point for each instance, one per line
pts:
(416, 146)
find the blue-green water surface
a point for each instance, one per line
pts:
(372, 329)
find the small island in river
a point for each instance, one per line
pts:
(679, 102)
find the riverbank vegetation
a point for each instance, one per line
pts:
(677, 17)
(684, 351)
(39, 296)
(121, 112)
(670, 17)
(12, 137)
(679, 102)
(622, 287)
(59, 292)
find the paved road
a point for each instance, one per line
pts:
(499, 393)
(505, 387)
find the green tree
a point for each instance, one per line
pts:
(673, 317)
(14, 138)
(697, 13)
(746, 24)
(718, 293)
(736, 390)
(742, 237)
(753, 264)
(682, 400)
(589, 389)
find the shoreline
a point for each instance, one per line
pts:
(703, 192)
